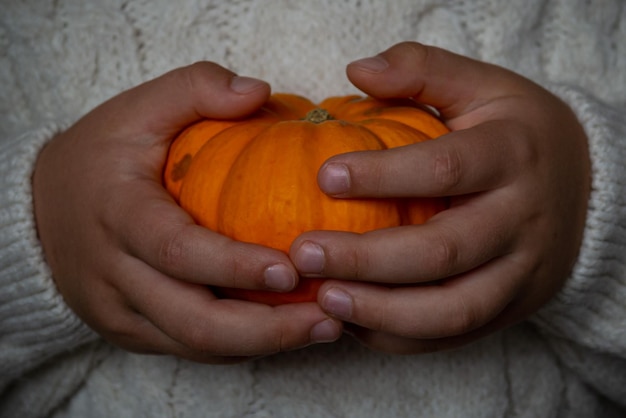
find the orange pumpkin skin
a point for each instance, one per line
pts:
(255, 180)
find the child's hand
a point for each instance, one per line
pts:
(516, 166)
(133, 264)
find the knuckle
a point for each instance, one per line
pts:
(278, 336)
(464, 316)
(174, 252)
(198, 343)
(447, 170)
(360, 258)
(379, 173)
(199, 339)
(419, 53)
(522, 152)
(115, 328)
(202, 77)
(525, 152)
(444, 256)
(386, 320)
(282, 343)
(123, 332)
(196, 74)
(235, 264)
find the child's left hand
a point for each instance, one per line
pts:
(517, 168)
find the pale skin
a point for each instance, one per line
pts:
(134, 267)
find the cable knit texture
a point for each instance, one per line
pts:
(59, 59)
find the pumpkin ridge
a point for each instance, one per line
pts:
(394, 133)
(257, 180)
(414, 117)
(279, 210)
(218, 154)
(186, 145)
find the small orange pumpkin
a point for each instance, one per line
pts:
(255, 180)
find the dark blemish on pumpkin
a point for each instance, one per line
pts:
(181, 167)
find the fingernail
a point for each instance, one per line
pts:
(334, 179)
(279, 277)
(325, 332)
(309, 258)
(338, 303)
(245, 85)
(376, 64)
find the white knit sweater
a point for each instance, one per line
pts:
(59, 59)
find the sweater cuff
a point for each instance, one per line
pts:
(35, 322)
(591, 308)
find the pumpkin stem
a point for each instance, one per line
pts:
(318, 115)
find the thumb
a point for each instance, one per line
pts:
(451, 83)
(160, 108)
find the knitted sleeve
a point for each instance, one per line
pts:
(35, 323)
(586, 320)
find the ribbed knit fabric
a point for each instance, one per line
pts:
(588, 310)
(60, 59)
(35, 324)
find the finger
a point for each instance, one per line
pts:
(461, 162)
(192, 317)
(141, 213)
(108, 312)
(452, 83)
(157, 231)
(120, 324)
(122, 308)
(130, 330)
(449, 308)
(394, 344)
(167, 104)
(453, 241)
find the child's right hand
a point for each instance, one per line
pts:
(129, 261)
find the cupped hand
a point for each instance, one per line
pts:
(516, 167)
(129, 261)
